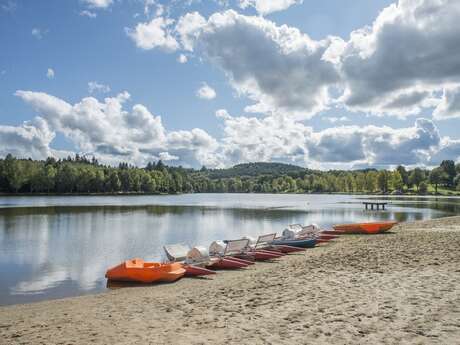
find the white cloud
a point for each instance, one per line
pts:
(89, 14)
(31, 139)
(449, 107)
(448, 149)
(279, 138)
(94, 86)
(268, 6)
(206, 92)
(400, 65)
(376, 145)
(182, 58)
(410, 52)
(301, 70)
(108, 131)
(222, 114)
(98, 3)
(112, 133)
(188, 28)
(154, 34)
(280, 68)
(50, 73)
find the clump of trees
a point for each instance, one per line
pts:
(83, 175)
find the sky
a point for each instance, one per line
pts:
(328, 85)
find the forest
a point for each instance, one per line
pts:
(82, 175)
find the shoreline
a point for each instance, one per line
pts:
(373, 194)
(400, 287)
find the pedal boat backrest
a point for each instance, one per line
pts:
(236, 246)
(265, 240)
(176, 252)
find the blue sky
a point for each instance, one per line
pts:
(330, 84)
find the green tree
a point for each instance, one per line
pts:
(437, 176)
(397, 181)
(147, 183)
(113, 182)
(423, 187)
(404, 174)
(416, 177)
(383, 181)
(448, 166)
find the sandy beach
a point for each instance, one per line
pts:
(398, 288)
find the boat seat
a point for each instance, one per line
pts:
(265, 240)
(236, 246)
(176, 252)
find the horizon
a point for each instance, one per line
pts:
(221, 83)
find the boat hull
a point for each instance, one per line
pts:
(288, 249)
(137, 270)
(196, 271)
(246, 261)
(226, 264)
(262, 255)
(305, 243)
(332, 232)
(365, 228)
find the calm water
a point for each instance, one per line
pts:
(52, 247)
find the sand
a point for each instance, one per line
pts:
(398, 288)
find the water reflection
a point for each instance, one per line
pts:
(57, 250)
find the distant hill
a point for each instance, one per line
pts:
(255, 169)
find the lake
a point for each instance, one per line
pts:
(59, 246)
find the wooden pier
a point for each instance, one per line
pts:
(376, 204)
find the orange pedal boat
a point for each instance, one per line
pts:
(365, 228)
(137, 270)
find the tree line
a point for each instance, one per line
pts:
(80, 174)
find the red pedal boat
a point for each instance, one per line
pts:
(365, 228)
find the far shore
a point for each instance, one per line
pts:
(447, 193)
(402, 287)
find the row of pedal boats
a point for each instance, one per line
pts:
(234, 254)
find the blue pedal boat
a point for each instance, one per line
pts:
(301, 243)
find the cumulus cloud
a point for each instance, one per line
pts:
(188, 28)
(405, 62)
(154, 34)
(376, 145)
(113, 133)
(106, 130)
(280, 68)
(278, 138)
(268, 6)
(448, 149)
(206, 92)
(98, 3)
(273, 138)
(410, 51)
(94, 86)
(449, 107)
(31, 139)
